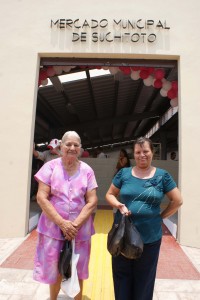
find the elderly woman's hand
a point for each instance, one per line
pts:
(69, 229)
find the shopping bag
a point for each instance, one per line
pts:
(115, 239)
(133, 244)
(71, 286)
(64, 262)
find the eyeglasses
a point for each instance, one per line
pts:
(69, 145)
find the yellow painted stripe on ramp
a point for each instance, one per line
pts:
(99, 285)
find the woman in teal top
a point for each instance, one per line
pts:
(141, 190)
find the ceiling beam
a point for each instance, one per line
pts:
(75, 61)
(62, 90)
(91, 91)
(109, 121)
(50, 109)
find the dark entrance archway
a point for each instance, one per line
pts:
(109, 109)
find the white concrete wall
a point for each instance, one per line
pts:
(26, 35)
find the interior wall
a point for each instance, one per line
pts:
(104, 169)
(28, 36)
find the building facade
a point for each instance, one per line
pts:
(31, 30)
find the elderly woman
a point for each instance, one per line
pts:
(141, 190)
(67, 196)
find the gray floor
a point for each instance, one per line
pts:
(18, 284)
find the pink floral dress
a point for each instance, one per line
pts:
(68, 198)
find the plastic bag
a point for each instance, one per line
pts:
(71, 286)
(115, 239)
(133, 244)
(64, 263)
(124, 238)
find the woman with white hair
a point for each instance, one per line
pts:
(67, 196)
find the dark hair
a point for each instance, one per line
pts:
(126, 155)
(141, 140)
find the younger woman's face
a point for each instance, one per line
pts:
(143, 155)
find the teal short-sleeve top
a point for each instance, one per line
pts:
(143, 198)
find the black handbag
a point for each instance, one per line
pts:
(115, 237)
(124, 238)
(64, 262)
(133, 244)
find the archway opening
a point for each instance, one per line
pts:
(127, 99)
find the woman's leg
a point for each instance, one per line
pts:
(134, 279)
(46, 259)
(144, 272)
(83, 249)
(79, 296)
(55, 288)
(122, 278)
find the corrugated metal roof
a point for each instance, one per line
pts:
(104, 109)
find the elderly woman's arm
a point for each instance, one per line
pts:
(88, 209)
(68, 228)
(175, 202)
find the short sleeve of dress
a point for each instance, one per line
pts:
(117, 180)
(168, 183)
(92, 183)
(44, 174)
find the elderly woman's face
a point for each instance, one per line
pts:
(143, 155)
(71, 147)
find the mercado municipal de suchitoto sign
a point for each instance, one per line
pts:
(103, 30)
